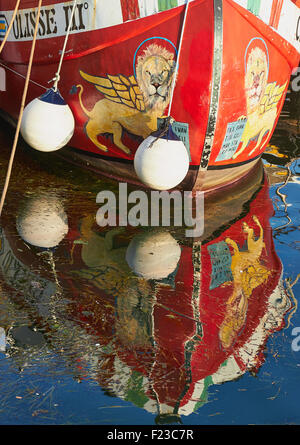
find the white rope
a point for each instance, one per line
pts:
(56, 78)
(21, 75)
(178, 56)
(14, 147)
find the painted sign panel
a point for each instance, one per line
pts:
(221, 264)
(232, 139)
(181, 130)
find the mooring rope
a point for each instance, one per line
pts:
(56, 78)
(21, 75)
(10, 25)
(13, 151)
(168, 120)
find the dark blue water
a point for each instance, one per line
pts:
(72, 351)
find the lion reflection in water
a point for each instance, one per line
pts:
(248, 273)
(107, 269)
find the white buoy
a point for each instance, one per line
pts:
(48, 122)
(153, 255)
(43, 222)
(161, 162)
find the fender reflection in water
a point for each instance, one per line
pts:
(153, 317)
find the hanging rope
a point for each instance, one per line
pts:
(167, 121)
(21, 75)
(10, 25)
(13, 151)
(56, 78)
(177, 61)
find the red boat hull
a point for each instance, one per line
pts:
(229, 110)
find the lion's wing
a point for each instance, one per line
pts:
(120, 89)
(272, 96)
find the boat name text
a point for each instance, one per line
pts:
(24, 24)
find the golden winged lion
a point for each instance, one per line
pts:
(129, 103)
(262, 101)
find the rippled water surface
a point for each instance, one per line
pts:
(144, 326)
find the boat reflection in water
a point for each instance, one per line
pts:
(153, 317)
